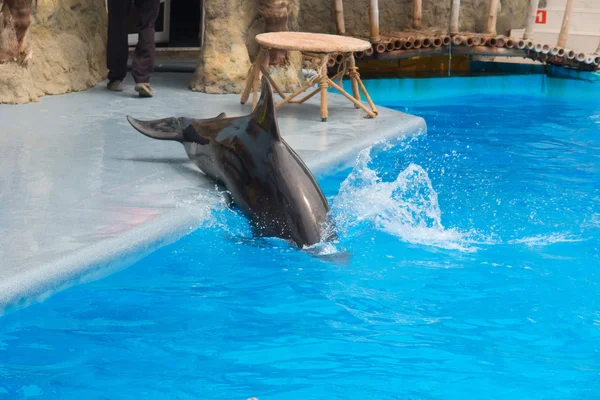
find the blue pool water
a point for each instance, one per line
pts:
(467, 268)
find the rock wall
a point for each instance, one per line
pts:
(67, 39)
(68, 47)
(229, 46)
(318, 15)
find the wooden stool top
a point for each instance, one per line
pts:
(311, 42)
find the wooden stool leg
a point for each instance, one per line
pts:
(364, 90)
(324, 84)
(253, 79)
(354, 76)
(262, 62)
(249, 83)
(256, 85)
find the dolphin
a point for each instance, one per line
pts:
(265, 177)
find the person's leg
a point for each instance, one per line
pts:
(143, 61)
(117, 49)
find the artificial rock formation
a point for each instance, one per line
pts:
(275, 16)
(62, 50)
(224, 60)
(63, 47)
(229, 46)
(15, 18)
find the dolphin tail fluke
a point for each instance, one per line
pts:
(162, 129)
(167, 128)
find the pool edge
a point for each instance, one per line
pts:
(115, 254)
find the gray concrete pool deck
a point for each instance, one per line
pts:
(82, 194)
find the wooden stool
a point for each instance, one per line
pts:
(315, 48)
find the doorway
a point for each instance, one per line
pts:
(185, 24)
(178, 24)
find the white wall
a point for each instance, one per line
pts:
(584, 27)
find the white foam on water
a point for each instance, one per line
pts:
(545, 240)
(406, 208)
(202, 204)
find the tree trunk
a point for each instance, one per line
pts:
(275, 14)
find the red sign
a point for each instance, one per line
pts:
(540, 17)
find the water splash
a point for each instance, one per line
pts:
(407, 207)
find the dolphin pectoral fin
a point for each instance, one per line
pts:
(186, 122)
(220, 116)
(162, 129)
(203, 131)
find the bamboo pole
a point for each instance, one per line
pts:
(380, 48)
(417, 13)
(374, 19)
(454, 13)
(564, 29)
(533, 7)
(339, 17)
(202, 25)
(492, 16)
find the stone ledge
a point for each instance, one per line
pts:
(88, 194)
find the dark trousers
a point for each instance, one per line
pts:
(117, 49)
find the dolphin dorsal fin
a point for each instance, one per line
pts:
(264, 114)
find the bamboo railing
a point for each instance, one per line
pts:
(418, 42)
